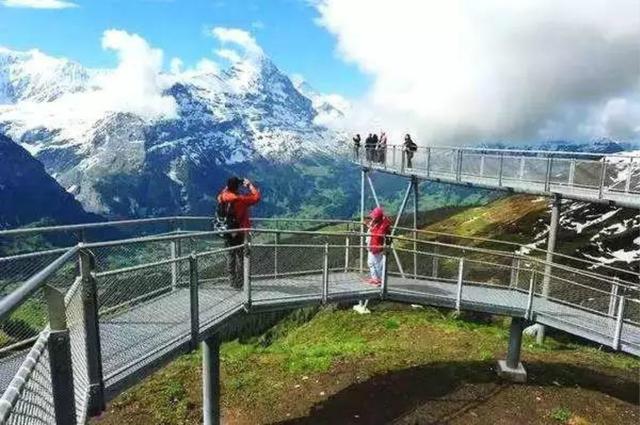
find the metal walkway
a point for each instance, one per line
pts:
(597, 178)
(119, 310)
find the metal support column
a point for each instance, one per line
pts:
(211, 380)
(373, 191)
(96, 401)
(246, 272)
(551, 247)
(395, 225)
(362, 177)
(174, 246)
(415, 227)
(325, 274)
(275, 254)
(194, 301)
(60, 359)
(511, 368)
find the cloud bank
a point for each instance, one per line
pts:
(467, 71)
(39, 4)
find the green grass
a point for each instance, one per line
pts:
(561, 414)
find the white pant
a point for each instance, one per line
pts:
(374, 261)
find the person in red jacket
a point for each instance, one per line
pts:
(239, 195)
(379, 228)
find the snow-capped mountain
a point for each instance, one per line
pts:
(34, 76)
(125, 163)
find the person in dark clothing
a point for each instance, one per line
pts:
(370, 147)
(382, 148)
(356, 147)
(238, 195)
(410, 149)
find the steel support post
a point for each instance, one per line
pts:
(211, 380)
(428, 161)
(511, 368)
(174, 246)
(385, 274)
(619, 322)
(435, 260)
(415, 227)
(60, 364)
(362, 178)
(500, 169)
(603, 177)
(627, 185)
(551, 247)
(325, 274)
(572, 172)
(96, 401)
(275, 254)
(395, 225)
(459, 285)
(613, 297)
(194, 301)
(346, 254)
(246, 272)
(515, 272)
(547, 179)
(373, 191)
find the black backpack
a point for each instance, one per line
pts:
(225, 219)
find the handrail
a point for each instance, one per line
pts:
(14, 299)
(524, 151)
(177, 219)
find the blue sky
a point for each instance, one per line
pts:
(284, 28)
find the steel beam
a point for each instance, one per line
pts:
(211, 380)
(415, 227)
(373, 190)
(551, 246)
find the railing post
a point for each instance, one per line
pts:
(96, 401)
(500, 169)
(459, 165)
(361, 250)
(603, 177)
(619, 321)
(482, 164)
(515, 272)
(532, 282)
(60, 364)
(402, 161)
(174, 246)
(275, 254)
(547, 179)
(393, 155)
(551, 247)
(325, 274)
(194, 300)
(521, 173)
(613, 297)
(459, 288)
(572, 171)
(428, 161)
(246, 272)
(346, 254)
(434, 261)
(385, 273)
(627, 185)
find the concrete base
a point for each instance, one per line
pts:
(518, 374)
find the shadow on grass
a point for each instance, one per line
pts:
(386, 398)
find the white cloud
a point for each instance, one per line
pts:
(249, 48)
(176, 65)
(39, 4)
(464, 70)
(136, 85)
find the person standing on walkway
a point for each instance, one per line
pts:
(382, 148)
(356, 147)
(234, 202)
(410, 149)
(379, 228)
(370, 147)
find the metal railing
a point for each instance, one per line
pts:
(108, 327)
(594, 177)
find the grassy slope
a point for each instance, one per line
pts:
(410, 362)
